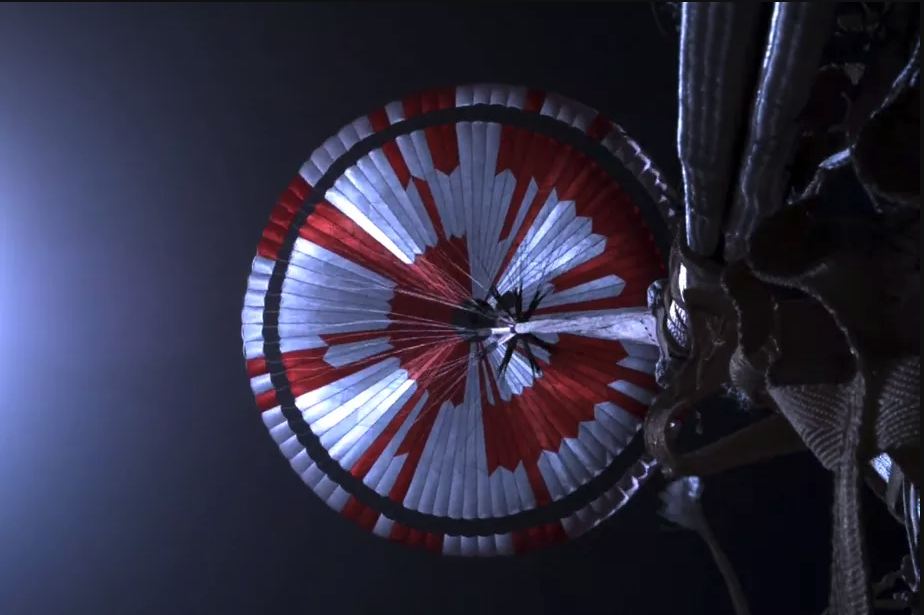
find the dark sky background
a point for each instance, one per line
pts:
(141, 150)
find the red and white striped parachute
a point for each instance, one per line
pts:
(367, 319)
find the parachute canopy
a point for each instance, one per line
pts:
(404, 241)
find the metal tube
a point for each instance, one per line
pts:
(719, 48)
(799, 32)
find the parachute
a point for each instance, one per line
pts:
(371, 321)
